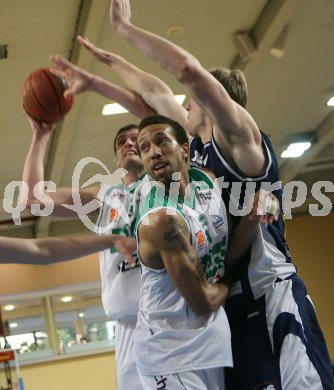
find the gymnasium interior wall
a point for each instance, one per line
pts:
(311, 245)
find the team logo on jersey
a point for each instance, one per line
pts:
(218, 222)
(200, 238)
(198, 160)
(113, 214)
(205, 195)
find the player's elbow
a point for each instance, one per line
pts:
(203, 307)
(187, 69)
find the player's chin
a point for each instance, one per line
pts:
(133, 161)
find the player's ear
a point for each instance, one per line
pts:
(185, 150)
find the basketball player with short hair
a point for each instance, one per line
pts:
(120, 282)
(182, 338)
(268, 301)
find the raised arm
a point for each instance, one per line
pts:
(235, 130)
(152, 90)
(79, 80)
(45, 251)
(165, 242)
(35, 192)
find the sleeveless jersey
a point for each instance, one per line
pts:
(120, 283)
(169, 337)
(268, 257)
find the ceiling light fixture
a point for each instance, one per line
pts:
(295, 149)
(330, 102)
(67, 299)
(115, 108)
(13, 325)
(278, 48)
(9, 307)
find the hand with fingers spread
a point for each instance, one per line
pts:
(78, 79)
(120, 13)
(102, 55)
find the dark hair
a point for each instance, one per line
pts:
(121, 130)
(234, 81)
(179, 132)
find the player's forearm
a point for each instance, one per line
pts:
(211, 298)
(126, 98)
(171, 57)
(33, 171)
(202, 296)
(43, 251)
(142, 83)
(240, 241)
(53, 250)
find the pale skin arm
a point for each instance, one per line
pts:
(265, 210)
(165, 242)
(33, 173)
(79, 80)
(153, 91)
(43, 251)
(235, 130)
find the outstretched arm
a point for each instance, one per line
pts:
(235, 130)
(79, 80)
(34, 192)
(165, 242)
(152, 90)
(45, 251)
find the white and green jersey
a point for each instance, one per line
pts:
(203, 210)
(170, 337)
(120, 283)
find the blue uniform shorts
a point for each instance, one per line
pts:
(277, 342)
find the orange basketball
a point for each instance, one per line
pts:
(43, 97)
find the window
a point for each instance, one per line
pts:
(57, 322)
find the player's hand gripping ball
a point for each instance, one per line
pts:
(43, 96)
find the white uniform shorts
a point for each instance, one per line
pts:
(127, 377)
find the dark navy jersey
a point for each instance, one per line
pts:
(268, 257)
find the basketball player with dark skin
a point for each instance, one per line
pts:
(227, 139)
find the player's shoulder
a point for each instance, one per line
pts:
(163, 230)
(201, 174)
(156, 221)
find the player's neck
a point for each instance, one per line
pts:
(132, 177)
(205, 134)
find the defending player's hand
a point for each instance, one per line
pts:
(128, 247)
(100, 54)
(265, 208)
(120, 13)
(77, 79)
